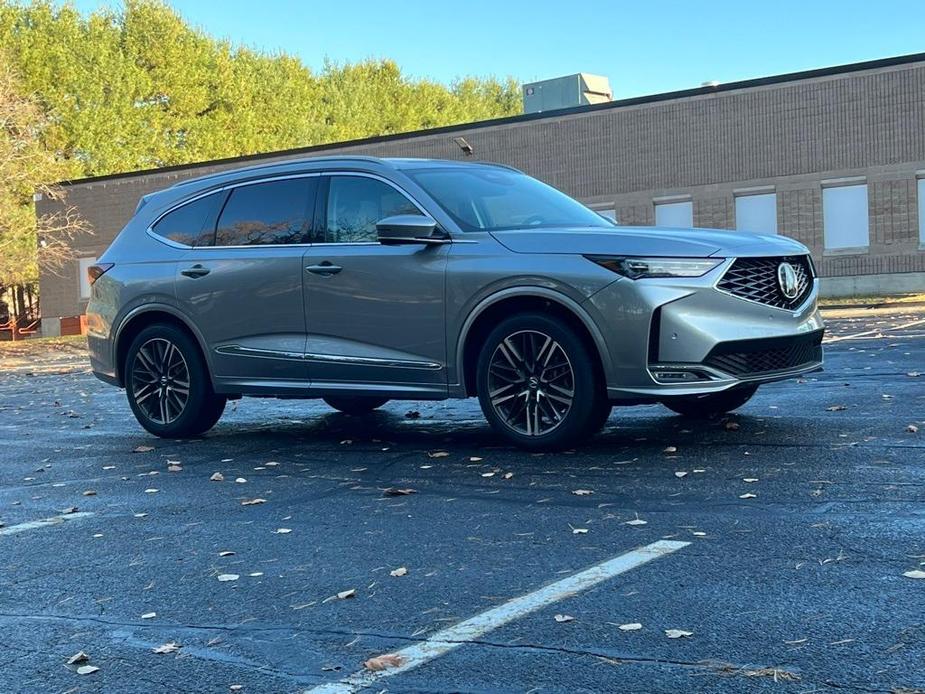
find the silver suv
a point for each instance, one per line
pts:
(361, 280)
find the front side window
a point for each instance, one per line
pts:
(483, 198)
(356, 203)
(192, 224)
(271, 213)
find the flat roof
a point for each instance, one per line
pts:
(527, 117)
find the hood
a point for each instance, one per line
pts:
(647, 241)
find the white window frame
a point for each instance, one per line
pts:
(674, 205)
(920, 185)
(834, 217)
(753, 197)
(83, 281)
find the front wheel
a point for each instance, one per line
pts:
(355, 405)
(713, 405)
(168, 385)
(538, 384)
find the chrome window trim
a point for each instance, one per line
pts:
(170, 242)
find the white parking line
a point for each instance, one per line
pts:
(54, 520)
(455, 636)
(875, 331)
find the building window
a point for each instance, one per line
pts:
(82, 265)
(922, 212)
(674, 214)
(757, 213)
(845, 218)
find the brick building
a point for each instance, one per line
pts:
(834, 158)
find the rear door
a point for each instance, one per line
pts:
(242, 282)
(375, 314)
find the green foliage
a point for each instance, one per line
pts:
(140, 88)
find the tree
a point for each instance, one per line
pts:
(26, 167)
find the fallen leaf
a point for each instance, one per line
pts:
(400, 571)
(699, 533)
(579, 531)
(633, 626)
(395, 491)
(142, 449)
(69, 509)
(255, 574)
(916, 573)
(732, 426)
(226, 553)
(217, 477)
(228, 577)
(564, 618)
(680, 473)
(90, 492)
(174, 468)
(836, 408)
(253, 502)
(149, 615)
(747, 495)
(437, 454)
(78, 657)
(169, 647)
(488, 474)
(384, 662)
(671, 449)
(912, 429)
(582, 492)
(87, 669)
(151, 490)
(913, 374)
(636, 521)
(109, 467)
(282, 531)
(345, 594)
(140, 515)
(749, 479)
(508, 475)
(677, 633)
(475, 459)
(240, 480)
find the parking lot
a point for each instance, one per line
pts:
(786, 532)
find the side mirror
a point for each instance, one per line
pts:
(409, 228)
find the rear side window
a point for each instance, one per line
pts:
(276, 212)
(356, 203)
(192, 224)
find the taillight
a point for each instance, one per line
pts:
(94, 272)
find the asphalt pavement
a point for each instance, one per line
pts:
(331, 540)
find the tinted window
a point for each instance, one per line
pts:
(277, 212)
(493, 198)
(192, 224)
(356, 203)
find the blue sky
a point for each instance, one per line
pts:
(643, 47)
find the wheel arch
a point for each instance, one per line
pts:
(140, 318)
(490, 310)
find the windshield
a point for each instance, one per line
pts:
(488, 199)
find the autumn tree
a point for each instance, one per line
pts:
(26, 167)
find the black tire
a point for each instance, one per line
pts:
(540, 384)
(713, 405)
(355, 406)
(202, 407)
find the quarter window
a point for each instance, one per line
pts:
(193, 224)
(276, 212)
(356, 203)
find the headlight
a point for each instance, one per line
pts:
(638, 268)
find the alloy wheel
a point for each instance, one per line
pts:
(160, 380)
(531, 383)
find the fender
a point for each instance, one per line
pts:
(163, 308)
(536, 292)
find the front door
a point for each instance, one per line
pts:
(374, 313)
(243, 286)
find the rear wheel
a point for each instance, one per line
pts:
(168, 385)
(713, 405)
(537, 383)
(355, 405)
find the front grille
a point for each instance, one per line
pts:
(756, 279)
(755, 357)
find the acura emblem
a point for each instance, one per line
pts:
(787, 279)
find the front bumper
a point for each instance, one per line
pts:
(669, 337)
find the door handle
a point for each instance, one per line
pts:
(195, 271)
(325, 268)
